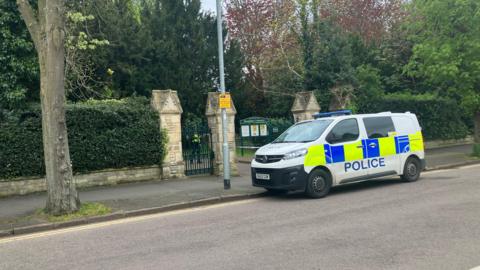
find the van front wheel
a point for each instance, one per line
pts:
(411, 170)
(319, 184)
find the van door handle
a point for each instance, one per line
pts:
(359, 146)
(372, 145)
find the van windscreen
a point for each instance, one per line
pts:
(304, 132)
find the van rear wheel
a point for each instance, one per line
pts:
(319, 184)
(411, 170)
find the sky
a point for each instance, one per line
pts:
(209, 5)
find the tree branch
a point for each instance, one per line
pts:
(33, 26)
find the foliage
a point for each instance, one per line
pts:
(159, 44)
(446, 53)
(19, 72)
(439, 117)
(476, 150)
(369, 19)
(273, 50)
(331, 64)
(272, 61)
(281, 124)
(102, 135)
(369, 88)
(80, 49)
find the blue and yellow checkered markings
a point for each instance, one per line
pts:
(370, 148)
(316, 156)
(334, 154)
(402, 144)
(353, 151)
(416, 142)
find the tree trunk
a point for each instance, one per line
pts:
(46, 25)
(62, 195)
(477, 127)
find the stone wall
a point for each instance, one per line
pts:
(100, 178)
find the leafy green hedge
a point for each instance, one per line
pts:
(102, 135)
(476, 150)
(440, 118)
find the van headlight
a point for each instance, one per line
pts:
(295, 154)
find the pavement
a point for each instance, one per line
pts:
(431, 224)
(16, 212)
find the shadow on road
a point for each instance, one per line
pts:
(354, 187)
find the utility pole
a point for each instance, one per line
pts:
(226, 156)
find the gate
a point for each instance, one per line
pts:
(197, 149)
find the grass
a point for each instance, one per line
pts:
(86, 210)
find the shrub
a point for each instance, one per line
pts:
(440, 117)
(102, 135)
(476, 150)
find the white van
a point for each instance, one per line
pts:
(339, 148)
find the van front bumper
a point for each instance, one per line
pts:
(291, 178)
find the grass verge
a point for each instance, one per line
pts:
(86, 210)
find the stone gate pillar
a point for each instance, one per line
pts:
(304, 106)
(168, 106)
(214, 116)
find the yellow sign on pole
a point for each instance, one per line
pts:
(225, 101)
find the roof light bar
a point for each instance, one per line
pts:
(332, 114)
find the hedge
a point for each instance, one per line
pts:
(440, 118)
(102, 135)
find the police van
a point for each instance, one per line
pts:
(338, 148)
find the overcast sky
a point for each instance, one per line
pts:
(209, 5)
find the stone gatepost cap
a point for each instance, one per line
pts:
(213, 107)
(305, 101)
(166, 101)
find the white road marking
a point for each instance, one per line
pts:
(122, 221)
(476, 268)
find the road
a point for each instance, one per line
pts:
(430, 224)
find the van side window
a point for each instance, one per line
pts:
(344, 131)
(378, 127)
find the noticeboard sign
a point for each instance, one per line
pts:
(255, 130)
(263, 130)
(245, 131)
(254, 127)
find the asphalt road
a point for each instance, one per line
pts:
(431, 224)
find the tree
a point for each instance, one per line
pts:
(327, 57)
(81, 82)
(370, 19)
(446, 54)
(46, 25)
(264, 31)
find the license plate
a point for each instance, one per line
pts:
(263, 176)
